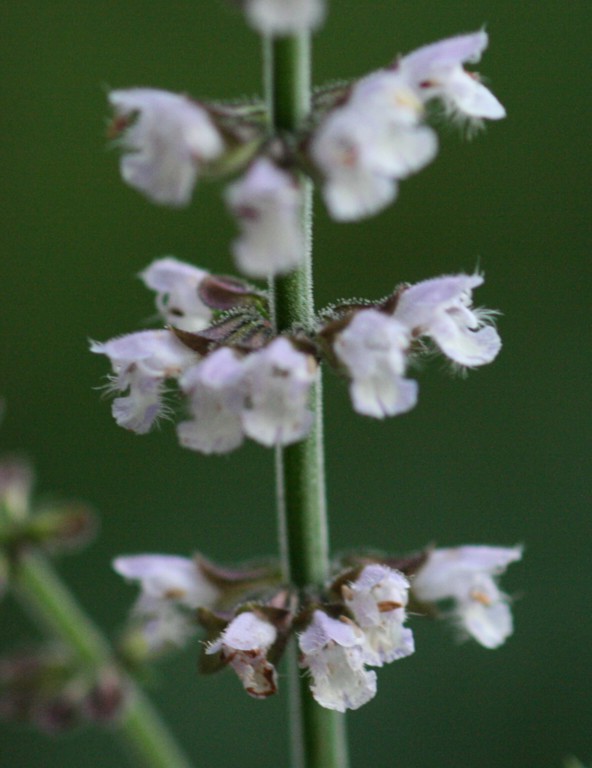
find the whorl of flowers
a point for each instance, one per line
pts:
(237, 379)
(359, 141)
(345, 629)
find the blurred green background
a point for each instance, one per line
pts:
(500, 457)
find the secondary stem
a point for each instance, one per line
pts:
(42, 592)
(318, 734)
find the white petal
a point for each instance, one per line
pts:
(249, 632)
(444, 55)
(333, 654)
(489, 625)
(277, 381)
(266, 201)
(340, 681)
(472, 98)
(216, 398)
(373, 350)
(169, 138)
(157, 354)
(350, 196)
(177, 284)
(463, 345)
(168, 577)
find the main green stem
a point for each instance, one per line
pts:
(45, 596)
(318, 734)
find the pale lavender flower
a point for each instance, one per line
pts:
(406, 146)
(177, 293)
(244, 645)
(277, 381)
(161, 625)
(333, 652)
(169, 578)
(348, 149)
(141, 363)
(266, 203)
(364, 146)
(373, 350)
(467, 575)
(441, 309)
(377, 600)
(165, 145)
(216, 400)
(437, 71)
(284, 17)
(170, 587)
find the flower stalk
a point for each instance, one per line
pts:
(318, 734)
(140, 728)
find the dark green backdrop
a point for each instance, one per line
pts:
(500, 457)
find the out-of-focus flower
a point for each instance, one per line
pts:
(216, 400)
(284, 17)
(333, 652)
(266, 203)
(244, 645)
(169, 137)
(142, 362)
(377, 600)
(441, 308)
(168, 578)
(348, 149)
(170, 587)
(16, 483)
(177, 293)
(372, 348)
(467, 575)
(365, 144)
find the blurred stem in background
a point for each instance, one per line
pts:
(318, 734)
(47, 599)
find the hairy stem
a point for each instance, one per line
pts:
(318, 735)
(45, 596)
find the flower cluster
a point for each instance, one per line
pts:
(238, 380)
(358, 621)
(359, 141)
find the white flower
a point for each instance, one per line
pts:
(216, 401)
(166, 144)
(142, 362)
(177, 298)
(168, 578)
(467, 575)
(406, 146)
(244, 645)
(441, 308)
(333, 653)
(284, 17)
(348, 148)
(266, 202)
(437, 71)
(277, 380)
(373, 350)
(364, 146)
(377, 599)
(161, 624)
